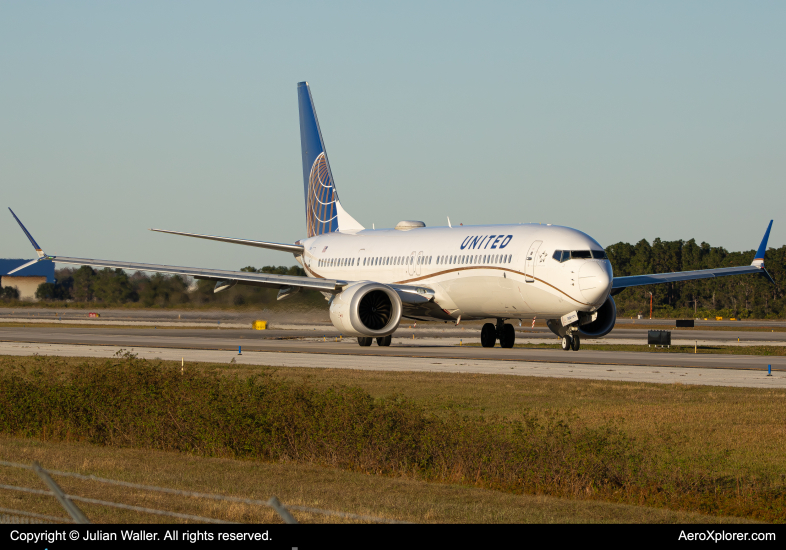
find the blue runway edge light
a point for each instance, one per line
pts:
(239, 351)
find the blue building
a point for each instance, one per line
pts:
(28, 279)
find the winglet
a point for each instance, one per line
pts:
(29, 236)
(758, 259)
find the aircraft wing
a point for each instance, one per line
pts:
(244, 277)
(621, 283)
(231, 277)
(413, 298)
(756, 267)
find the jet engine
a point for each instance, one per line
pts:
(603, 322)
(592, 325)
(366, 309)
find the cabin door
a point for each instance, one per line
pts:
(529, 262)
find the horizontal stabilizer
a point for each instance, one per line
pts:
(293, 248)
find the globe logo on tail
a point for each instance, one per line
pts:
(321, 211)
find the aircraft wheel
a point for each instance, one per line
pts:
(567, 342)
(384, 341)
(576, 344)
(364, 341)
(508, 336)
(488, 336)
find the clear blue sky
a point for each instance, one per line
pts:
(625, 120)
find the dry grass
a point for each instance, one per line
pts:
(294, 484)
(743, 424)
(740, 428)
(705, 349)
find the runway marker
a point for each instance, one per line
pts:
(769, 370)
(239, 351)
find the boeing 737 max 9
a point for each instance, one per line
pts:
(373, 278)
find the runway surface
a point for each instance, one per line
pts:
(340, 357)
(282, 348)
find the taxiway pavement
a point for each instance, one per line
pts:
(412, 359)
(424, 352)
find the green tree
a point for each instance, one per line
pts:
(84, 278)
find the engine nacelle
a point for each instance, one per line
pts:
(603, 323)
(366, 309)
(605, 317)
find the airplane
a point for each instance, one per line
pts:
(374, 278)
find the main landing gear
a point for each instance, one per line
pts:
(503, 332)
(366, 341)
(571, 342)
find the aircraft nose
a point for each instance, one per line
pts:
(595, 281)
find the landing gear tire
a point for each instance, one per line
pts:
(488, 336)
(508, 336)
(576, 344)
(567, 342)
(384, 341)
(364, 341)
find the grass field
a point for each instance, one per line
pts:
(705, 349)
(393, 498)
(734, 437)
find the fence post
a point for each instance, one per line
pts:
(69, 506)
(283, 512)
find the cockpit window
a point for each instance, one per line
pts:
(599, 255)
(580, 254)
(557, 255)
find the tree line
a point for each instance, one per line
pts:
(747, 296)
(116, 287)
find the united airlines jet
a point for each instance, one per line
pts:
(374, 278)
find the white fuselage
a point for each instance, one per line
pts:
(476, 272)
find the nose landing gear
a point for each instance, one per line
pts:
(571, 342)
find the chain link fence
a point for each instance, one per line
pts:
(75, 514)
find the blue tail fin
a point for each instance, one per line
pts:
(321, 196)
(323, 209)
